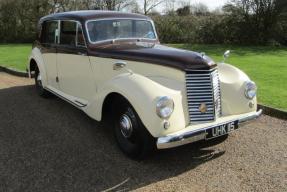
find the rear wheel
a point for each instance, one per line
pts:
(131, 135)
(38, 84)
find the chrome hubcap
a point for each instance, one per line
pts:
(126, 126)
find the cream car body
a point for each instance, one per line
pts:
(86, 78)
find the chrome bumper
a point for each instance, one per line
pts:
(175, 140)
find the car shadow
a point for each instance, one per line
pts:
(49, 145)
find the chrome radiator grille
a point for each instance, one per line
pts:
(203, 95)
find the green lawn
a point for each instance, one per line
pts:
(267, 66)
(15, 55)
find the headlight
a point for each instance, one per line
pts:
(250, 90)
(164, 107)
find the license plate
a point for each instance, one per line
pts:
(221, 130)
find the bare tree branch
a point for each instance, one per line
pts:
(151, 4)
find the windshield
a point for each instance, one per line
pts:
(102, 30)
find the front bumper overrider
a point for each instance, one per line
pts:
(190, 136)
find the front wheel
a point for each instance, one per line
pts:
(131, 135)
(38, 84)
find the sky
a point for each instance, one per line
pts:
(212, 4)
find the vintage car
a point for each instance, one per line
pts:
(112, 66)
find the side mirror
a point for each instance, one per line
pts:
(226, 55)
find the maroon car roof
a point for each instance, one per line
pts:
(91, 14)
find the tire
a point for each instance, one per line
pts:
(132, 137)
(38, 84)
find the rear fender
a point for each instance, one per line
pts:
(36, 55)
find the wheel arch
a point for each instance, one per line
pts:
(108, 102)
(32, 66)
(36, 61)
(142, 94)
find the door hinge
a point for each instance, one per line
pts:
(57, 79)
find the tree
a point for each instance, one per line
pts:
(199, 9)
(149, 5)
(169, 7)
(255, 20)
(184, 11)
(19, 19)
(125, 4)
(133, 7)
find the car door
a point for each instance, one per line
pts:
(74, 67)
(49, 40)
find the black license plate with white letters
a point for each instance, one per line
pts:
(221, 130)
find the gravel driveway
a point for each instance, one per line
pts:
(48, 145)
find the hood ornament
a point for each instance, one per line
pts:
(226, 55)
(202, 54)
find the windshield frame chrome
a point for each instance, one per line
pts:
(111, 40)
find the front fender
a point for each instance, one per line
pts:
(233, 98)
(142, 93)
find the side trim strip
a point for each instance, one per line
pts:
(75, 103)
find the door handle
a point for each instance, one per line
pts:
(119, 65)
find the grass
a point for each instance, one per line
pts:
(15, 55)
(267, 66)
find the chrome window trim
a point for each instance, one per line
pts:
(107, 40)
(78, 24)
(59, 29)
(77, 35)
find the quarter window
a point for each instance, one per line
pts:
(50, 32)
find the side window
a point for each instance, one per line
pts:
(80, 37)
(68, 33)
(72, 34)
(50, 32)
(144, 29)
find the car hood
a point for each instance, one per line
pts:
(153, 53)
